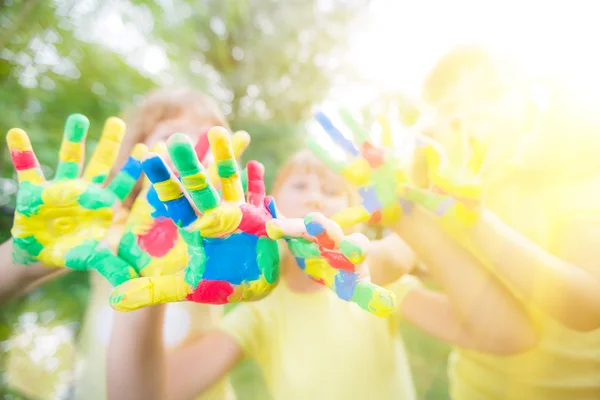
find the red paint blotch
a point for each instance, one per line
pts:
(211, 292)
(160, 238)
(23, 160)
(372, 154)
(338, 260)
(254, 220)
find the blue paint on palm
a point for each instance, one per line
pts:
(345, 282)
(231, 259)
(370, 200)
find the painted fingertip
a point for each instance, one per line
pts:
(179, 138)
(314, 227)
(240, 140)
(17, 139)
(159, 148)
(217, 133)
(114, 129)
(274, 231)
(155, 168)
(139, 151)
(257, 168)
(76, 127)
(322, 119)
(383, 303)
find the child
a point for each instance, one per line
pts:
(308, 342)
(539, 230)
(161, 113)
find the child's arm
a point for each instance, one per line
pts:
(16, 279)
(138, 367)
(567, 289)
(473, 302)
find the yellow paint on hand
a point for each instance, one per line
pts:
(17, 139)
(358, 172)
(351, 216)
(141, 292)
(194, 182)
(172, 262)
(218, 222)
(30, 175)
(168, 190)
(318, 268)
(231, 188)
(382, 306)
(70, 151)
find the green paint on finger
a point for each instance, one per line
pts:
(99, 179)
(116, 297)
(205, 199)
(374, 299)
(244, 179)
(324, 155)
(268, 258)
(303, 248)
(360, 133)
(122, 185)
(67, 170)
(94, 198)
(29, 199)
(26, 250)
(351, 250)
(384, 182)
(227, 168)
(184, 157)
(130, 251)
(76, 127)
(77, 258)
(114, 269)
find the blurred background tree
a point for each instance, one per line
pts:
(268, 62)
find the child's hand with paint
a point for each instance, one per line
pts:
(231, 258)
(334, 260)
(374, 170)
(60, 223)
(151, 242)
(453, 187)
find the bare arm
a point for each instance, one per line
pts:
(139, 368)
(17, 279)
(473, 300)
(567, 289)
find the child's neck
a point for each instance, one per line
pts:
(296, 279)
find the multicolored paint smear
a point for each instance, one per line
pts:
(375, 171)
(454, 191)
(230, 257)
(60, 223)
(332, 259)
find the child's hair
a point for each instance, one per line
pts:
(163, 104)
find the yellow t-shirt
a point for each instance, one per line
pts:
(566, 363)
(316, 346)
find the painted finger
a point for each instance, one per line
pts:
(219, 222)
(354, 247)
(202, 146)
(324, 154)
(193, 175)
(288, 228)
(351, 216)
(72, 147)
(240, 141)
(227, 168)
(23, 158)
(374, 299)
(477, 157)
(159, 148)
(106, 151)
(386, 131)
(360, 134)
(169, 190)
(336, 135)
(125, 180)
(325, 232)
(142, 292)
(256, 183)
(114, 269)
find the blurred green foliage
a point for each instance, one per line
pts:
(267, 62)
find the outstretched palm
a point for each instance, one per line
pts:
(374, 170)
(231, 258)
(60, 223)
(334, 260)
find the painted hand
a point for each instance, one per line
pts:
(453, 189)
(375, 171)
(151, 242)
(60, 223)
(334, 260)
(231, 258)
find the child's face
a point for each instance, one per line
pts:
(303, 192)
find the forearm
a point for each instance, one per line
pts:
(474, 300)
(555, 286)
(16, 279)
(136, 363)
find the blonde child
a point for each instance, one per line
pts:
(308, 342)
(161, 113)
(539, 230)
